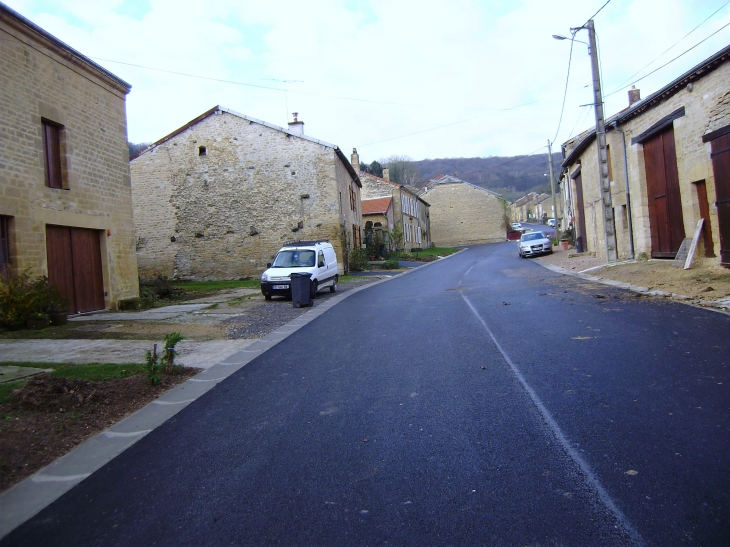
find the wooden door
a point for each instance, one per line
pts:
(74, 264)
(664, 200)
(580, 212)
(721, 170)
(705, 215)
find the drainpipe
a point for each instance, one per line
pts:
(628, 191)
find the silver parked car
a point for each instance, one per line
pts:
(534, 243)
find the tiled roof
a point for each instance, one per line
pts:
(376, 205)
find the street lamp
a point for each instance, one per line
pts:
(561, 37)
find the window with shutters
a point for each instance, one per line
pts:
(52, 153)
(4, 242)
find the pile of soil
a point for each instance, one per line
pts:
(49, 416)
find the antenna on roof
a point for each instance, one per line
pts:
(286, 91)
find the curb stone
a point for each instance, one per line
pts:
(720, 306)
(30, 496)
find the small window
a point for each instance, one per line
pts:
(52, 153)
(4, 242)
(202, 151)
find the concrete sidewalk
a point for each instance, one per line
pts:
(190, 353)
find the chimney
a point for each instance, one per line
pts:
(634, 95)
(386, 173)
(296, 127)
(355, 160)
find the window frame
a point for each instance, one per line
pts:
(52, 154)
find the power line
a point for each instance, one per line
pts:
(356, 99)
(442, 126)
(668, 62)
(599, 11)
(675, 43)
(565, 93)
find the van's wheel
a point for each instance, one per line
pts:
(267, 296)
(333, 287)
(313, 289)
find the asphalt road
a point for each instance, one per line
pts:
(480, 400)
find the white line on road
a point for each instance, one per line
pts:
(590, 476)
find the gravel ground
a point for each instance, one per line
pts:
(261, 319)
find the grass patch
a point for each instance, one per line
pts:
(7, 388)
(435, 251)
(212, 286)
(98, 372)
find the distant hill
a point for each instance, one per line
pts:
(511, 176)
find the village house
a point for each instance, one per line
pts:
(411, 217)
(65, 195)
(520, 208)
(378, 220)
(465, 214)
(218, 197)
(668, 164)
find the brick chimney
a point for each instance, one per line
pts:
(634, 95)
(386, 173)
(296, 127)
(355, 160)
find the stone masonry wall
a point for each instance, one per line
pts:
(464, 215)
(704, 105)
(225, 214)
(42, 80)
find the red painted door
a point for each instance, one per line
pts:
(721, 170)
(74, 264)
(665, 204)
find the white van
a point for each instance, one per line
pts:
(313, 257)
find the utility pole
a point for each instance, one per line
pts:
(608, 220)
(552, 189)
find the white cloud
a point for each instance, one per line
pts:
(413, 65)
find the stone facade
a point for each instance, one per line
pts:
(45, 81)
(411, 215)
(703, 95)
(217, 198)
(465, 214)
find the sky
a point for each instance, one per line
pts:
(417, 78)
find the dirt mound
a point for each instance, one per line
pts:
(49, 416)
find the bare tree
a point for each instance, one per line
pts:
(402, 169)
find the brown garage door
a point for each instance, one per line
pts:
(721, 170)
(665, 204)
(74, 264)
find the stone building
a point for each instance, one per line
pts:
(668, 164)
(465, 214)
(65, 196)
(411, 216)
(218, 197)
(378, 220)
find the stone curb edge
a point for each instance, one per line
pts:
(710, 305)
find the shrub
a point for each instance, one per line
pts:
(358, 259)
(391, 265)
(23, 298)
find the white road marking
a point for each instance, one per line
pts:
(590, 476)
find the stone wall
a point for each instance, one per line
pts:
(41, 79)
(462, 214)
(225, 212)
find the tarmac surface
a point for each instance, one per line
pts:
(29, 497)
